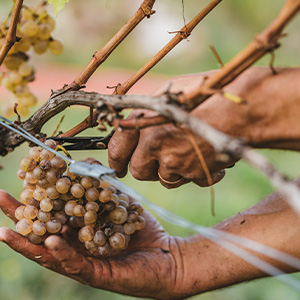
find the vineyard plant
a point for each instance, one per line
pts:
(80, 77)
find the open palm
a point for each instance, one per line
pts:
(147, 267)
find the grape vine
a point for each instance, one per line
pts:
(52, 197)
(34, 31)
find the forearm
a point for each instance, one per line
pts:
(270, 117)
(207, 266)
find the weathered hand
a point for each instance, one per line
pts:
(269, 119)
(162, 153)
(146, 268)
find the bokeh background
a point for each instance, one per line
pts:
(84, 27)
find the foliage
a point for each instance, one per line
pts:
(58, 4)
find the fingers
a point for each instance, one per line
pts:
(143, 166)
(73, 263)
(120, 149)
(8, 204)
(21, 245)
(216, 177)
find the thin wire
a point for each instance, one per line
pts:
(21, 131)
(224, 239)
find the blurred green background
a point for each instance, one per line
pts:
(84, 26)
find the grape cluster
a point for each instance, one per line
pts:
(34, 30)
(52, 197)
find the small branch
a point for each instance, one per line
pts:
(182, 34)
(221, 142)
(10, 140)
(264, 42)
(11, 37)
(217, 56)
(145, 10)
(88, 122)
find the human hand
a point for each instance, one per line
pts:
(268, 119)
(146, 268)
(165, 152)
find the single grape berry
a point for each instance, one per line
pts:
(39, 194)
(46, 204)
(24, 226)
(39, 227)
(104, 250)
(105, 195)
(86, 233)
(27, 164)
(79, 210)
(45, 164)
(57, 162)
(117, 241)
(86, 182)
(99, 238)
(77, 190)
(129, 228)
(44, 216)
(34, 152)
(46, 154)
(19, 212)
(30, 212)
(118, 215)
(91, 246)
(53, 225)
(26, 195)
(34, 239)
(63, 185)
(69, 207)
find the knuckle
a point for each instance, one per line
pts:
(136, 172)
(170, 162)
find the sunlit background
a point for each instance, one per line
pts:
(84, 27)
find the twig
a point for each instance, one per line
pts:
(264, 42)
(58, 125)
(221, 142)
(217, 56)
(88, 122)
(182, 34)
(11, 37)
(145, 10)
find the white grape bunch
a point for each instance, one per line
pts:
(53, 197)
(34, 31)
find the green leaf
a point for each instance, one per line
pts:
(58, 4)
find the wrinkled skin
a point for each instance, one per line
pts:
(155, 264)
(269, 119)
(147, 267)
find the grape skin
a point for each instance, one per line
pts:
(49, 203)
(39, 227)
(35, 28)
(30, 212)
(19, 212)
(24, 226)
(53, 225)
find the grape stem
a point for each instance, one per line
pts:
(265, 42)
(145, 10)
(182, 34)
(11, 37)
